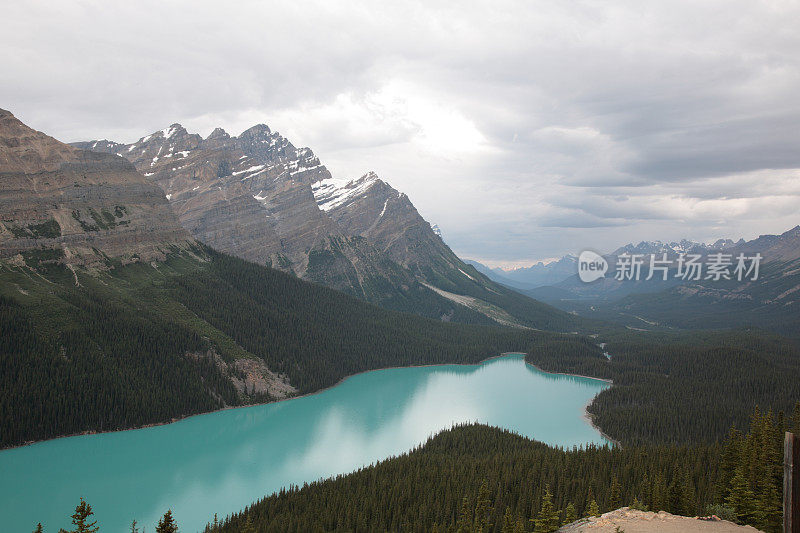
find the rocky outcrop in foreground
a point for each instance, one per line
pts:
(632, 521)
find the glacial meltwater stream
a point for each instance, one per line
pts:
(223, 461)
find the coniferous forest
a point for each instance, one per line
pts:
(141, 344)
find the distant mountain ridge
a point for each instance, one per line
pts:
(536, 275)
(771, 301)
(260, 198)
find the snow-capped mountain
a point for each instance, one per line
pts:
(259, 197)
(673, 249)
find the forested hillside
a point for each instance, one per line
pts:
(684, 387)
(476, 478)
(146, 343)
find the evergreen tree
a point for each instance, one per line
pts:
(167, 523)
(509, 522)
(740, 496)
(796, 419)
(589, 499)
(80, 519)
(688, 493)
(569, 514)
(593, 509)
(38, 528)
(614, 498)
(464, 523)
(249, 526)
(636, 504)
(658, 500)
(482, 509)
(728, 461)
(548, 518)
(768, 505)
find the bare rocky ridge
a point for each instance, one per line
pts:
(259, 197)
(87, 207)
(251, 196)
(371, 208)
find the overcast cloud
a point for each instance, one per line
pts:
(525, 129)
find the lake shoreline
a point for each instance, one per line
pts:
(586, 415)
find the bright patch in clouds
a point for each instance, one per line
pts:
(523, 129)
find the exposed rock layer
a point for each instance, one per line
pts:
(259, 197)
(90, 207)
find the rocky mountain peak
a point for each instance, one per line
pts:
(257, 131)
(218, 133)
(23, 149)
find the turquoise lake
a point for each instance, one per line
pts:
(221, 462)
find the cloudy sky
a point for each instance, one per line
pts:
(524, 129)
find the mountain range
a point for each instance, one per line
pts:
(113, 315)
(258, 197)
(771, 301)
(537, 275)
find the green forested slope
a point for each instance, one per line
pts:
(97, 351)
(476, 478)
(680, 388)
(471, 476)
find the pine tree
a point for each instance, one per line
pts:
(767, 508)
(658, 501)
(614, 498)
(636, 504)
(482, 509)
(594, 509)
(509, 522)
(688, 493)
(464, 523)
(38, 528)
(80, 519)
(569, 514)
(681, 493)
(167, 523)
(740, 497)
(249, 527)
(589, 498)
(728, 461)
(548, 518)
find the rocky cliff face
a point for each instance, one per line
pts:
(259, 197)
(76, 206)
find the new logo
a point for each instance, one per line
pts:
(591, 266)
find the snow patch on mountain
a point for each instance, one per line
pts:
(332, 192)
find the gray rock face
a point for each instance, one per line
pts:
(251, 196)
(94, 206)
(259, 197)
(371, 208)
